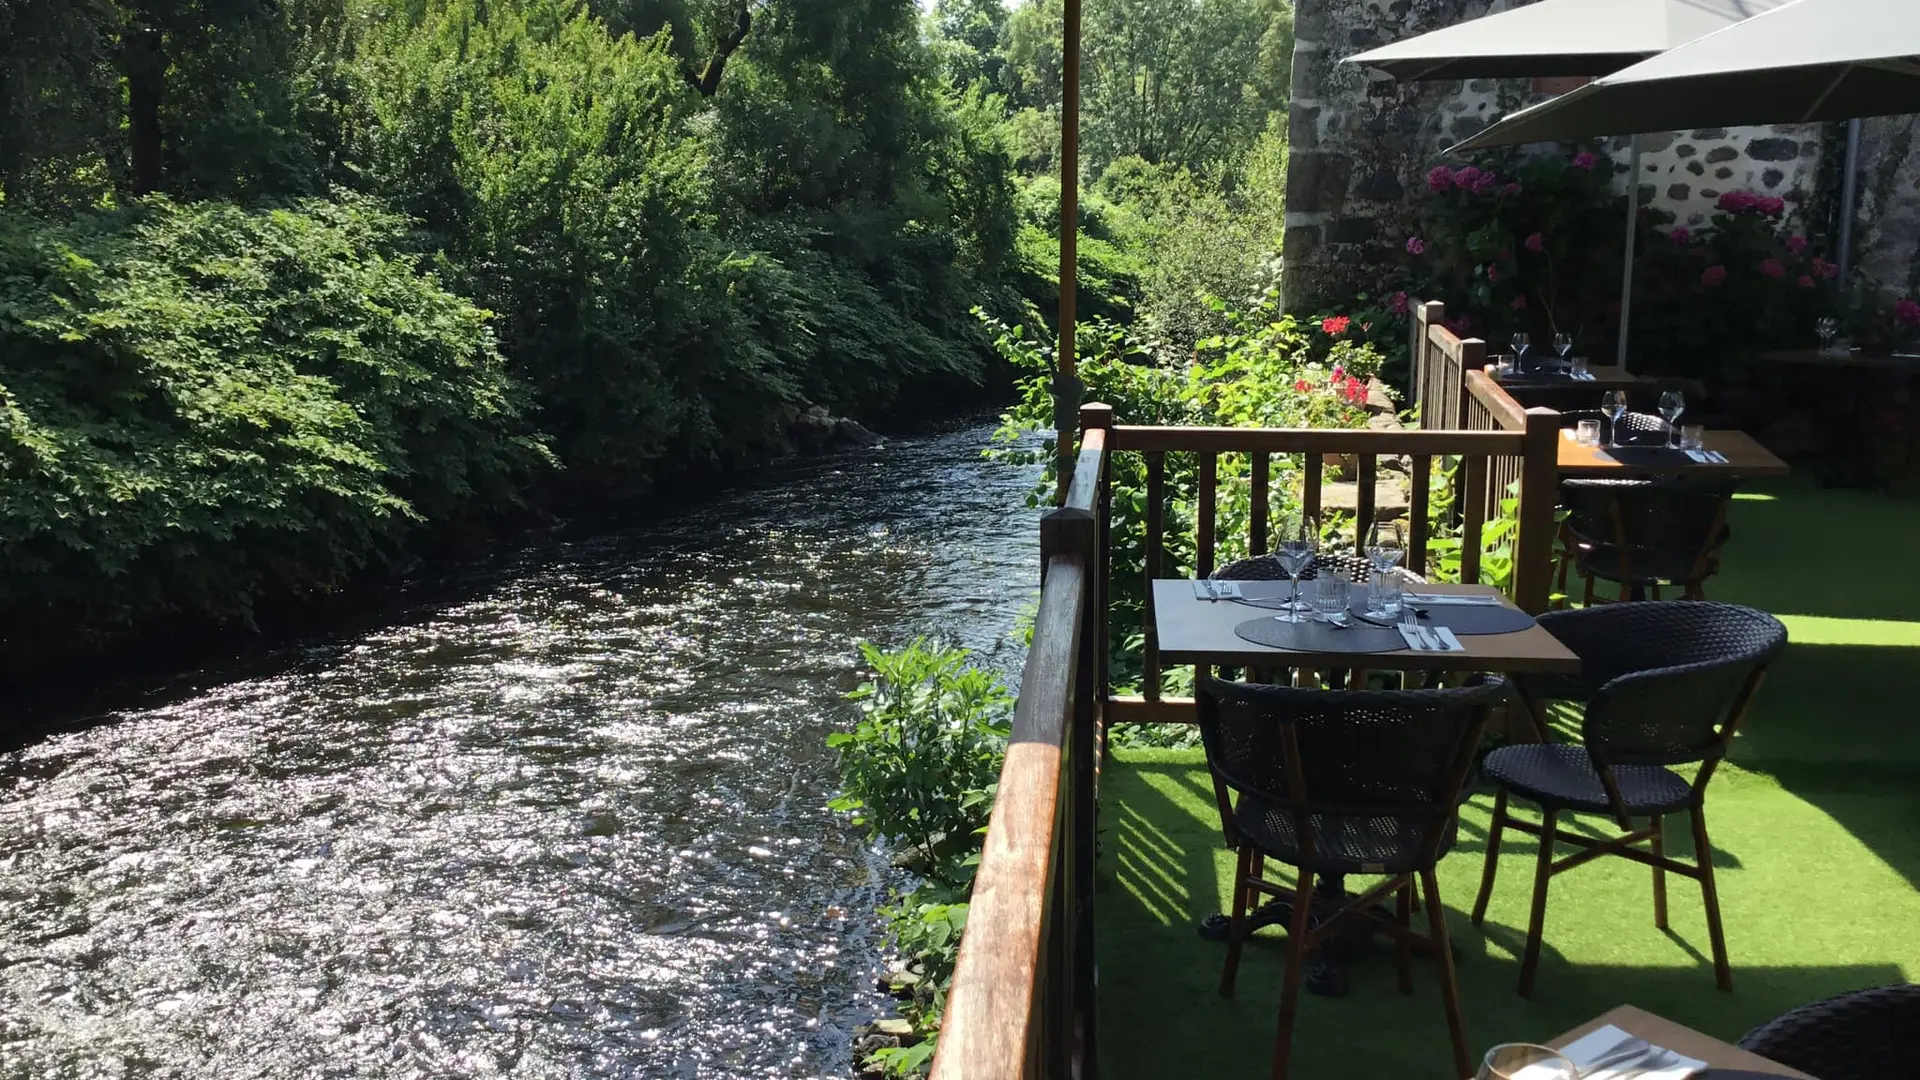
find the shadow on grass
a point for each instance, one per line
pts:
(1164, 868)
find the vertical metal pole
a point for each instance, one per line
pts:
(1633, 241)
(1849, 201)
(1066, 381)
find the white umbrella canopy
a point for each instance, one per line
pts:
(1808, 60)
(1558, 38)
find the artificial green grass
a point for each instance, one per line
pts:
(1816, 830)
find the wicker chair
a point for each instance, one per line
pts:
(1663, 684)
(1267, 568)
(1335, 783)
(1641, 534)
(1864, 1035)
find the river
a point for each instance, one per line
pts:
(569, 823)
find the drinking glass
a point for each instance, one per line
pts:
(1587, 433)
(1520, 342)
(1386, 547)
(1672, 404)
(1331, 592)
(1826, 327)
(1579, 369)
(1525, 1061)
(1385, 594)
(1614, 404)
(1693, 437)
(1563, 344)
(1295, 553)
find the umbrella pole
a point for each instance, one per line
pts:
(1633, 237)
(1849, 199)
(1066, 381)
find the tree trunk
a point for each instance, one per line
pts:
(143, 60)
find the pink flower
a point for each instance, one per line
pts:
(1536, 243)
(1584, 160)
(1773, 206)
(1796, 244)
(1773, 269)
(1680, 235)
(1399, 304)
(1493, 272)
(1511, 191)
(1466, 177)
(1415, 246)
(1805, 282)
(1823, 268)
(1905, 310)
(1439, 179)
(1303, 386)
(1520, 302)
(1335, 326)
(1739, 202)
(1339, 373)
(1713, 275)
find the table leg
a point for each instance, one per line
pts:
(1327, 969)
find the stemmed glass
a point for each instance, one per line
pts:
(1386, 547)
(1826, 327)
(1672, 404)
(1615, 406)
(1520, 341)
(1563, 344)
(1295, 554)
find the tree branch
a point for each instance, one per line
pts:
(707, 83)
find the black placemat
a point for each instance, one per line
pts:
(1319, 637)
(1469, 618)
(1647, 455)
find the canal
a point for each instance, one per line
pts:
(569, 823)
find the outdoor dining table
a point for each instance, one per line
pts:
(1743, 454)
(1685, 1041)
(1191, 630)
(1602, 377)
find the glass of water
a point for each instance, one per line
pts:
(1331, 592)
(1525, 1061)
(1693, 437)
(1295, 554)
(1580, 367)
(1587, 433)
(1386, 549)
(1672, 404)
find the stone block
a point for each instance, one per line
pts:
(1382, 185)
(1772, 177)
(1657, 143)
(1773, 149)
(1710, 133)
(1721, 153)
(1686, 150)
(1696, 168)
(1303, 125)
(1679, 192)
(1353, 230)
(1317, 180)
(1723, 173)
(1363, 38)
(1301, 242)
(1466, 127)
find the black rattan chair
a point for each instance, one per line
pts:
(1335, 783)
(1664, 684)
(1643, 534)
(1267, 568)
(1864, 1035)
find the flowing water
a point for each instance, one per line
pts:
(570, 824)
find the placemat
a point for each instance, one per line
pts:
(1469, 618)
(1319, 637)
(1648, 455)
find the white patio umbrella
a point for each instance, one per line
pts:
(1566, 38)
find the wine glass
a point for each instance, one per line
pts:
(1826, 327)
(1563, 344)
(1520, 341)
(1525, 1061)
(1295, 554)
(1614, 404)
(1672, 404)
(1386, 547)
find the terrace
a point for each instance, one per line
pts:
(1104, 859)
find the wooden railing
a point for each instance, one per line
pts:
(1441, 360)
(1021, 1004)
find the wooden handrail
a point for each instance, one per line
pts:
(1312, 440)
(1500, 406)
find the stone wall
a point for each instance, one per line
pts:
(1362, 142)
(1887, 231)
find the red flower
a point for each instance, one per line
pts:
(1713, 275)
(1493, 272)
(1805, 282)
(1584, 160)
(1773, 269)
(1520, 302)
(1415, 246)
(1680, 235)
(1536, 243)
(1339, 373)
(1906, 310)
(1823, 268)
(1303, 386)
(1772, 206)
(1796, 244)
(1439, 179)
(1400, 304)
(1335, 325)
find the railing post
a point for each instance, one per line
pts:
(1100, 416)
(1539, 494)
(1074, 532)
(1425, 385)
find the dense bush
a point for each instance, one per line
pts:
(205, 405)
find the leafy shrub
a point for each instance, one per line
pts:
(204, 405)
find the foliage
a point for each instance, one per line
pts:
(920, 768)
(204, 406)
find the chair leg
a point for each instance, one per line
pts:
(1543, 870)
(1493, 856)
(1588, 600)
(1237, 928)
(1449, 979)
(1703, 853)
(1403, 914)
(1659, 876)
(1296, 970)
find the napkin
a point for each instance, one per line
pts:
(1207, 589)
(1708, 457)
(1448, 643)
(1599, 1044)
(1453, 598)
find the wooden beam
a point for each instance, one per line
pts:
(1133, 709)
(1312, 440)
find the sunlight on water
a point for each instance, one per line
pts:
(570, 824)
